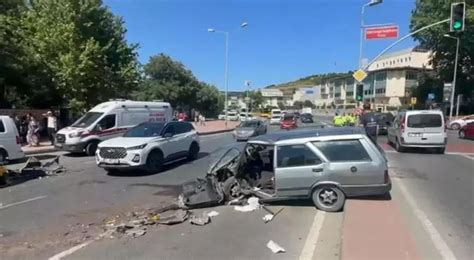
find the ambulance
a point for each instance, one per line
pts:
(108, 120)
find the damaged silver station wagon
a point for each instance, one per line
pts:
(325, 165)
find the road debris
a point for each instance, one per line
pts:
(252, 204)
(267, 218)
(276, 248)
(173, 217)
(135, 232)
(213, 213)
(202, 220)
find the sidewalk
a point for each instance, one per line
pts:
(211, 127)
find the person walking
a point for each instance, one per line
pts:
(52, 125)
(369, 121)
(33, 132)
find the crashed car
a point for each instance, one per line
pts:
(325, 165)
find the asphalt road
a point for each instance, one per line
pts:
(44, 217)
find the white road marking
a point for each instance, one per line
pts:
(448, 153)
(21, 202)
(70, 251)
(467, 156)
(434, 234)
(313, 235)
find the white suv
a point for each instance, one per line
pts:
(148, 146)
(10, 148)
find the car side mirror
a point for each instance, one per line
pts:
(168, 135)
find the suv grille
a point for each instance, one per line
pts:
(60, 138)
(112, 152)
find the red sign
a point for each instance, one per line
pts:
(383, 32)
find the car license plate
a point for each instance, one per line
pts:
(111, 161)
(415, 134)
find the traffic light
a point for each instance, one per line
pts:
(359, 92)
(457, 17)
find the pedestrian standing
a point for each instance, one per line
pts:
(52, 126)
(33, 132)
(203, 120)
(369, 121)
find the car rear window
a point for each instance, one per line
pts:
(2, 127)
(343, 150)
(424, 120)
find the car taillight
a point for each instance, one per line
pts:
(18, 141)
(385, 177)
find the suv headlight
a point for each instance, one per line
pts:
(138, 147)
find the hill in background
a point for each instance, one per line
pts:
(312, 80)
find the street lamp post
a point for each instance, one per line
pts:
(226, 76)
(454, 76)
(371, 3)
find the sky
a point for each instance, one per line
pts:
(284, 40)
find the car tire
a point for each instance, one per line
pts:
(462, 134)
(440, 150)
(398, 147)
(154, 162)
(3, 156)
(193, 152)
(231, 188)
(91, 147)
(328, 198)
(455, 126)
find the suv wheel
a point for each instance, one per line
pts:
(455, 126)
(91, 148)
(398, 147)
(193, 151)
(328, 198)
(154, 162)
(462, 135)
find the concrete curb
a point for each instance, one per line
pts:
(52, 149)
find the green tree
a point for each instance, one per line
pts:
(298, 104)
(308, 103)
(79, 55)
(169, 80)
(427, 12)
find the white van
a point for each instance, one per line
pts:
(276, 112)
(232, 116)
(108, 120)
(418, 128)
(10, 147)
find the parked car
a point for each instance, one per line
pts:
(275, 120)
(459, 123)
(288, 122)
(418, 128)
(325, 165)
(109, 120)
(306, 118)
(148, 146)
(232, 116)
(221, 116)
(10, 146)
(249, 129)
(467, 131)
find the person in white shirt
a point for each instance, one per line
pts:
(52, 126)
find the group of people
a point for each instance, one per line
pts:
(29, 128)
(345, 120)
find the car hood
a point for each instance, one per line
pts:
(224, 157)
(128, 141)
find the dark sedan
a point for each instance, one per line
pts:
(306, 118)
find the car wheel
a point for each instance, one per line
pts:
(193, 151)
(455, 126)
(398, 147)
(3, 156)
(231, 188)
(328, 198)
(462, 135)
(440, 150)
(91, 148)
(154, 162)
